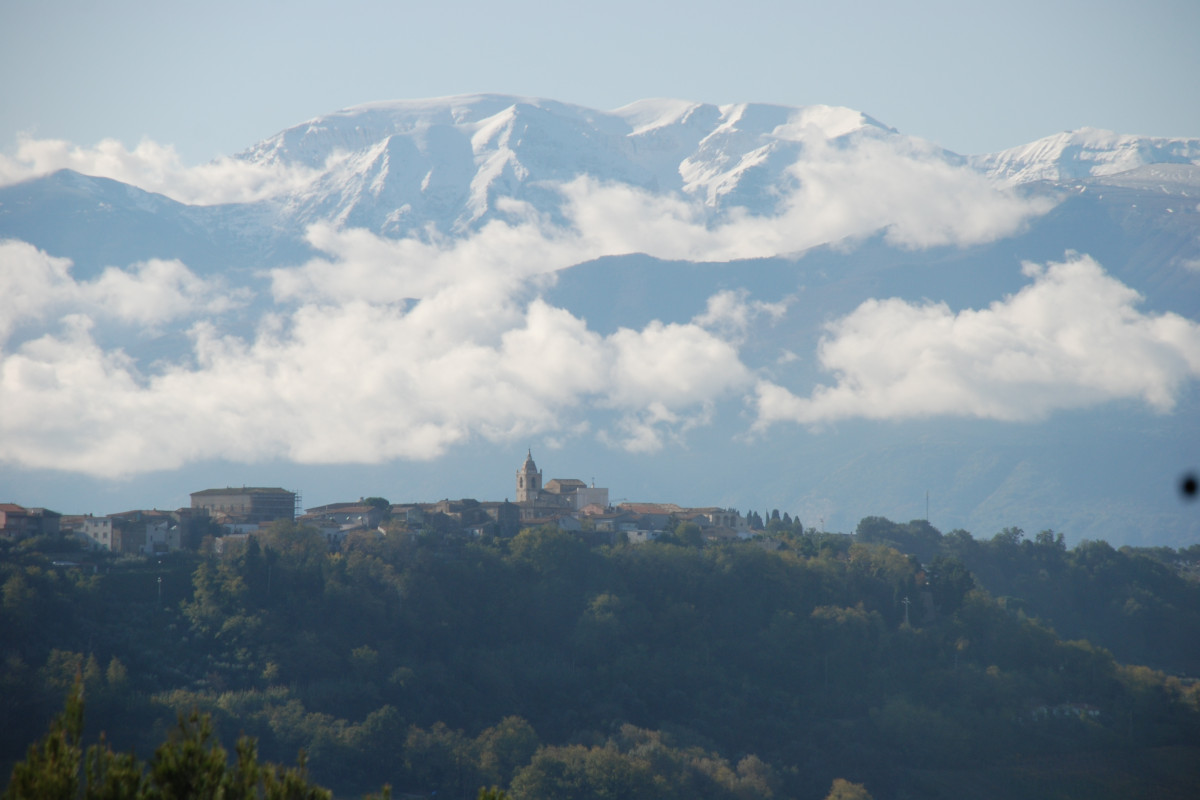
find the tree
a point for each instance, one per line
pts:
(50, 770)
(505, 748)
(1050, 539)
(843, 789)
(190, 765)
(949, 581)
(689, 534)
(1009, 537)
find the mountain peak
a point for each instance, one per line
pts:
(1085, 153)
(444, 161)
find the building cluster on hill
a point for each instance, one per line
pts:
(231, 514)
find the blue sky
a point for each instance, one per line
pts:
(212, 78)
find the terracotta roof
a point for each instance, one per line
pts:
(329, 507)
(242, 490)
(566, 483)
(141, 513)
(651, 508)
(347, 509)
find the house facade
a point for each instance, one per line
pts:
(18, 522)
(145, 533)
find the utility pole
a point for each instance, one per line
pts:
(907, 603)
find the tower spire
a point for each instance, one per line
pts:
(529, 479)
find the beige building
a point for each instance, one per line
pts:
(247, 505)
(556, 497)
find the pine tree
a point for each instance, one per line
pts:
(50, 770)
(190, 765)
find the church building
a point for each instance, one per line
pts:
(556, 497)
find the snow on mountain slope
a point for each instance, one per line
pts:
(396, 167)
(1168, 179)
(1084, 153)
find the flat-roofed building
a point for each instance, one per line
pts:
(247, 505)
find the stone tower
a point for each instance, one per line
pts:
(529, 480)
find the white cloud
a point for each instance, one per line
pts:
(730, 313)
(355, 382)
(30, 282)
(155, 168)
(843, 191)
(649, 431)
(906, 187)
(900, 186)
(37, 286)
(1073, 338)
(358, 265)
(381, 349)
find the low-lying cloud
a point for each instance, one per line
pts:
(347, 381)
(383, 348)
(37, 286)
(1071, 339)
(156, 168)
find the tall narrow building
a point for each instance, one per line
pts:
(529, 481)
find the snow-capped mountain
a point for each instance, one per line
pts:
(446, 167)
(841, 316)
(397, 167)
(1085, 153)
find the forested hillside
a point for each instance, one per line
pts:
(916, 664)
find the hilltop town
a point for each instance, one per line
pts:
(220, 517)
(545, 643)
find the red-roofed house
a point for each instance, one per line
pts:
(18, 522)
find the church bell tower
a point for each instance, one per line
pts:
(529, 480)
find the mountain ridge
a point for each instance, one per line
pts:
(1085, 153)
(512, 144)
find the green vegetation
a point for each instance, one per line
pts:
(189, 765)
(896, 662)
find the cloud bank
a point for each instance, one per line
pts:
(156, 168)
(382, 348)
(1071, 339)
(332, 381)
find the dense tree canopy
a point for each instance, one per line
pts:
(898, 660)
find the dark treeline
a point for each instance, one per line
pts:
(1143, 604)
(914, 663)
